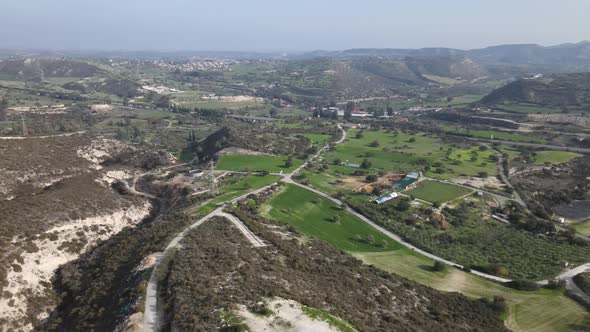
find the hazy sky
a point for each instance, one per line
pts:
(288, 25)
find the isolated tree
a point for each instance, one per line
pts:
(374, 144)
(438, 266)
(273, 112)
(371, 178)
(359, 134)
(403, 205)
(289, 162)
(389, 110)
(337, 161)
(366, 164)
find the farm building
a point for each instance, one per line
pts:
(353, 165)
(385, 198)
(408, 182)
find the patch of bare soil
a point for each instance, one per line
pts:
(218, 270)
(285, 316)
(235, 150)
(385, 181)
(46, 109)
(101, 108)
(490, 183)
(102, 149)
(233, 99)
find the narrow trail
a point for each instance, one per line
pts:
(45, 136)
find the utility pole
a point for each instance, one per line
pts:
(25, 131)
(214, 188)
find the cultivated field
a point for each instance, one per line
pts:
(234, 187)
(555, 157)
(318, 217)
(437, 192)
(273, 164)
(405, 152)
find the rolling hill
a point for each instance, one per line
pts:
(554, 90)
(37, 69)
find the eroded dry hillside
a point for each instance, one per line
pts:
(56, 202)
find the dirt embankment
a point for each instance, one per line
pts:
(29, 282)
(56, 202)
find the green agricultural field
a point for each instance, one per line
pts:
(332, 179)
(442, 80)
(465, 99)
(583, 227)
(496, 134)
(473, 161)
(314, 216)
(239, 162)
(555, 157)
(437, 192)
(318, 138)
(230, 189)
(543, 310)
(403, 152)
(194, 99)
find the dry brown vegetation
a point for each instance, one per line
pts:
(55, 204)
(562, 189)
(218, 269)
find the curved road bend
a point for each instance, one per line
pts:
(152, 313)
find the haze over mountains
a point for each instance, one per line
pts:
(516, 54)
(577, 53)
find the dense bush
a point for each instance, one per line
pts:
(523, 285)
(481, 244)
(312, 273)
(97, 291)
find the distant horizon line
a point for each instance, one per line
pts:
(263, 51)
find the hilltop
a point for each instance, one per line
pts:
(554, 90)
